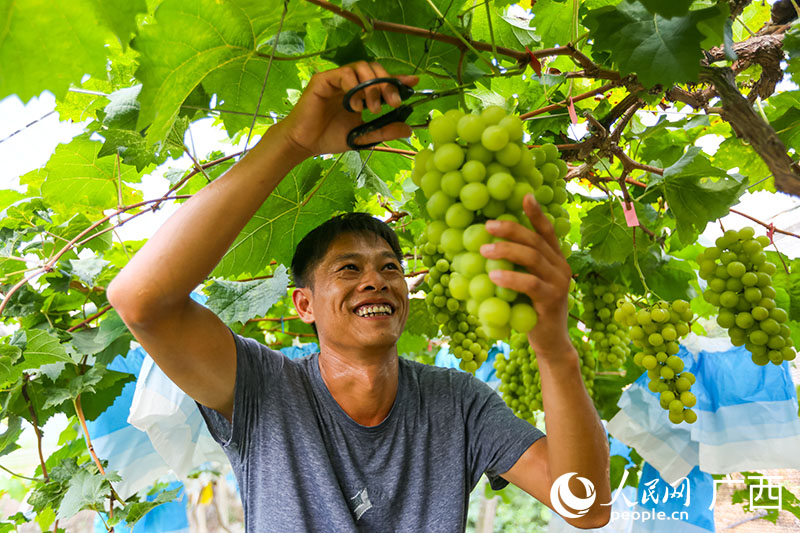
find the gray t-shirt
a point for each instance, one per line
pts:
(304, 465)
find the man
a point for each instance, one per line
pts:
(354, 438)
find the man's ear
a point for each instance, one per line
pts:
(302, 302)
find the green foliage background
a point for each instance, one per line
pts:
(141, 73)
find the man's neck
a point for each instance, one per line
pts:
(365, 387)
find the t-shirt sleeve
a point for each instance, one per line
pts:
(257, 369)
(497, 437)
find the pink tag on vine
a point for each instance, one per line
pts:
(630, 214)
(573, 116)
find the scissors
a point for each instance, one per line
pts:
(399, 114)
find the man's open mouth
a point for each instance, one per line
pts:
(369, 310)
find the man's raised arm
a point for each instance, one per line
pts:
(151, 294)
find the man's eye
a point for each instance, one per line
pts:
(349, 266)
(392, 266)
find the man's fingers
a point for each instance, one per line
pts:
(518, 233)
(540, 223)
(533, 286)
(372, 94)
(529, 258)
(389, 91)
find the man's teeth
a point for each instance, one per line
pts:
(373, 310)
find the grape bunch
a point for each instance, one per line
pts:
(740, 283)
(609, 335)
(656, 330)
(588, 364)
(468, 342)
(479, 169)
(521, 385)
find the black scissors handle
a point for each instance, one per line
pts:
(399, 114)
(404, 90)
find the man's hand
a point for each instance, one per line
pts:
(546, 281)
(319, 124)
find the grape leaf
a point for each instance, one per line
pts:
(85, 490)
(239, 84)
(120, 16)
(605, 231)
(783, 112)
(693, 196)
(401, 53)
(791, 45)
(239, 301)
(122, 110)
(674, 8)
(310, 194)
(553, 22)
(657, 49)
(43, 348)
(9, 372)
(364, 177)
(93, 340)
(667, 276)
(133, 512)
(9, 437)
(88, 269)
(188, 42)
(78, 180)
(47, 45)
(509, 30)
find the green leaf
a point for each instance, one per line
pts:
(310, 194)
(78, 180)
(509, 30)
(9, 355)
(93, 340)
(122, 110)
(239, 301)
(88, 269)
(131, 146)
(658, 50)
(43, 348)
(86, 490)
(791, 45)
(401, 53)
(667, 276)
(783, 112)
(120, 16)
(674, 8)
(133, 512)
(190, 41)
(48, 45)
(239, 84)
(364, 177)
(605, 231)
(693, 196)
(9, 437)
(553, 22)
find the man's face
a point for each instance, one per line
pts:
(359, 297)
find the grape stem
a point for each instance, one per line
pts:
(639, 270)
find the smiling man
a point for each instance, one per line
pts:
(355, 438)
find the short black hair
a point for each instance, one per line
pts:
(313, 247)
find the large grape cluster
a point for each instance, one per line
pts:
(656, 330)
(479, 169)
(740, 283)
(521, 385)
(610, 336)
(468, 341)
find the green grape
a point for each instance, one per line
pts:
(600, 315)
(494, 138)
(500, 186)
(476, 236)
(431, 183)
(470, 127)
(473, 171)
(523, 317)
(442, 130)
(448, 157)
(451, 183)
(458, 216)
(474, 196)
